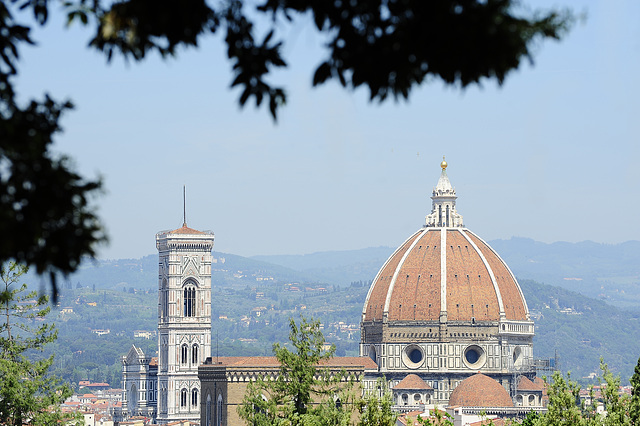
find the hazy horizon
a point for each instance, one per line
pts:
(553, 154)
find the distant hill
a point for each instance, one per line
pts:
(256, 296)
(142, 274)
(606, 271)
(247, 320)
(335, 267)
(582, 330)
(609, 272)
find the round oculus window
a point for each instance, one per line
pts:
(474, 356)
(413, 356)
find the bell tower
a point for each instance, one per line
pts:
(184, 320)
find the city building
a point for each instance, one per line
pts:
(445, 306)
(166, 389)
(225, 380)
(443, 314)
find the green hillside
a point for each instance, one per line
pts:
(582, 330)
(248, 319)
(609, 272)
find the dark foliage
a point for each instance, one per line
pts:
(46, 219)
(390, 46)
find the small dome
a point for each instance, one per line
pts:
(413, 382)
(527, 385)
(480, 391)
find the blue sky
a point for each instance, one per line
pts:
(552, 155)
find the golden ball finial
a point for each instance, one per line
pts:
(443, 164)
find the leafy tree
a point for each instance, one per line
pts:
(563, 408)
(389, 46)
(530, 418)
(615, 405)
(443, 419)
(634, 404)
(304, 393)
(28, 394)
(375, 409)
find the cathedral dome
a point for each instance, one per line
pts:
(480, 391)
(444, 269)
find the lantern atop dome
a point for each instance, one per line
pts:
(443, 208)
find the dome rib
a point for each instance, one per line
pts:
(472, 292)
(416, 286)
(443, 271)
(489, 270)
(398, 269)
(464, 278)
(515, 305)
(376, 295)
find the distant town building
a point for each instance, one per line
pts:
(144, 334)
(225, 380)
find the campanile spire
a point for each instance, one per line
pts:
(443, 207)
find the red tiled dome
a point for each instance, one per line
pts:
(451, 262)
(480, 391)
(412, 381)
(527, 385)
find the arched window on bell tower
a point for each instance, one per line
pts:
(164, 298)
(189, 297)
(183, 398)
(194, 355)
(184, 354)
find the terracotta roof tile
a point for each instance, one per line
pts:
(526, 384)
(416, 291)
(545, 397)
(378, 296)
(480, 391)
(514, 307)
(412, 381)
(470, 291)
(186, 230)
(271, 361)
(487, 422)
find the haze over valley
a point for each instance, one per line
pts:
(584, 298)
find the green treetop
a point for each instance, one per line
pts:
(634, 405)
(305, 392)
(28, 395)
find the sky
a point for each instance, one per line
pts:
(552, 154)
